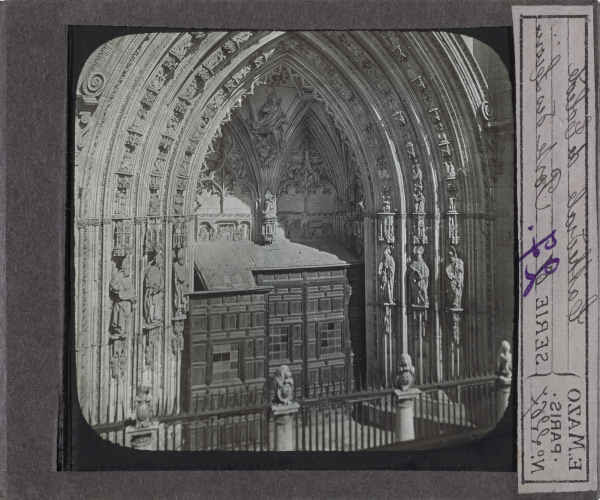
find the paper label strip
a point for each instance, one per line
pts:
(558, 249)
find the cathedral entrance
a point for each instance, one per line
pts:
(339, 203)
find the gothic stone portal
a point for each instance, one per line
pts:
(336, 202)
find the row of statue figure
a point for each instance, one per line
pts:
(418, 278)
(125, 300)
(224, 232)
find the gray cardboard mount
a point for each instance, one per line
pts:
(34, 183)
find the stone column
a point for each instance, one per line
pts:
(283, 417)
(405, 414)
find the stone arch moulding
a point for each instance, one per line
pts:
(410, 107)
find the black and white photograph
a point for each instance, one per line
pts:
(297, 241)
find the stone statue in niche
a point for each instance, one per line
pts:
(455, 273)
(421, 237)
(450, 170)
(284, 385)
(419, 201)
(121, 202)
(153, 295)
(387, 272)
(154, 207)
(387, 206)
(244, 232)
(181, 282)
(203, 232)
(418, 278)
(271, 120)
(504, 366)
(178, 202)
(417, 176)
(124, 301)
(269, 208)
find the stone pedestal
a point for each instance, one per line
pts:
(503, 395)
(405, 414)
(142, 438)
(283, 415)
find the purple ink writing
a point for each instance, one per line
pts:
(546, 269)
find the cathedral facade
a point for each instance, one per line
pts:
(338, 203)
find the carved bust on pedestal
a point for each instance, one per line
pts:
(142, 409)
(284, 385)
(405, 373)
(504, 366)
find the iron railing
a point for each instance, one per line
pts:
(329, 419)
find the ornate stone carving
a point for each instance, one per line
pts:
(420, 238)
(306, 170)
(223, 168)
(124, 300)
(142, 406)
(386, 223)
(455, 330)
(214, 59)
(487, 111)
(91, 89)
(387, 273)
(450, 170)
(394, 44)
(180, 233)
(118, 361)
(182, 47)
(269, 221)
(154, 235)
(419, 198)
(179, 198)
(444, 144)
(268, 128)
(177, 336)
(154, 286)
(121, 206)
(405, 373)
(123, 237)
(418, 278)
(181, 106)
(154, 203)
(158, 166)
(453, 233)
(149, 351)
(452, 197)
(181, 284)
(284, 385)
(417, 177)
